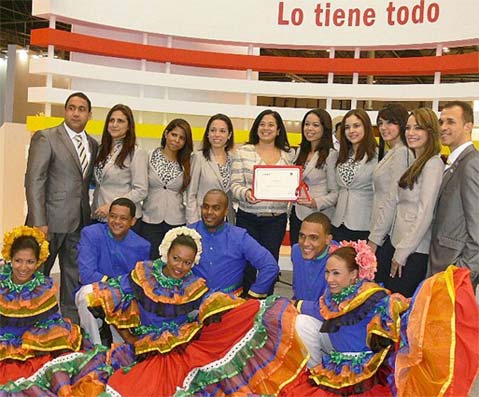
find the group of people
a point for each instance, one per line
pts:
(175, 309)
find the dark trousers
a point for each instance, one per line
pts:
(154, 233)
(266, 230)
(343, 233)
(294, 226)
(384, 256)
(64, 245)
(412, 273)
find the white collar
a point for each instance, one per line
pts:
(72, 134)
(457, 152)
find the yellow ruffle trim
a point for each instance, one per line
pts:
(217, 302)
(21, 308)
(167, 341)
(346, 377)
(364, 293)
(121, 317)
(57, 338)
(148, 283)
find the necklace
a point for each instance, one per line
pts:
(344, 293)
(7, 282)
(161, 278)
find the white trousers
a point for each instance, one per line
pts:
(317, 343)
(87, 321)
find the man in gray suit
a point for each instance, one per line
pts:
(455, 232)
(59, 168)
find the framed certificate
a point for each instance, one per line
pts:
(277, 182)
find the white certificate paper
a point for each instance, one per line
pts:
(276, 183)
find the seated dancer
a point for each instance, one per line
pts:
(184, 340)
(228, 249)
(351, 331)
(107, 250)
(309, 257)
(33, 334)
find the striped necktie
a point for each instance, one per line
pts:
(81, 153)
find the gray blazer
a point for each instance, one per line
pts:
(355, 201)
(205, 175)
(322, 186)
(386, 177)
(455, 231)
(130, 182)
(56, 191)
(412, 224)
(164, 203)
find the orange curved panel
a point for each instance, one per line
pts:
(413, 66)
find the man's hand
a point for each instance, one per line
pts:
(44, 229)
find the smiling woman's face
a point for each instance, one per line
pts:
(337, 274)
(180, 261)
(24, 263)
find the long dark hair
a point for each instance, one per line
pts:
(128, 148)
(394, 113)
(368, 144)
(184, 154)
(206, 142)
(325, 143)
(427, 120)
(281, 141)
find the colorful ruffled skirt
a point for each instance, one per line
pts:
(254, 349)
(440, 355)
(73, 374)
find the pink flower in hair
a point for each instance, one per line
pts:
(365, 257)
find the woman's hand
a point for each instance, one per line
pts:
(127, 336)
(311, 203)
(102, 211)
(396, 269)
(250, 198)
(373, 246)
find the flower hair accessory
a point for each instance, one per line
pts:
(174, 233)
(365, 258)
(20, 231)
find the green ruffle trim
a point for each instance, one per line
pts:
(345, 293)
(165, 281)
(7, 282)
(339, 358)
(72, 367)
(236, 365)
(114, 282)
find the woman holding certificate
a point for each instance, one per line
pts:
(357, 160)
(317, 156)
(265, 220)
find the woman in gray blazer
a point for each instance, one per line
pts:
(168, 177)
(317, 156)
(391, 122)
(121, 166)
(357, 160)
(415, 199)
(211, 166)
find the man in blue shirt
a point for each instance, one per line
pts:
(309, 257)
(227, 248)
(107, 250)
